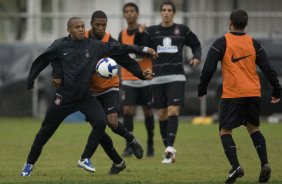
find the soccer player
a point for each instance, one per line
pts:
(78, 57)
(136, 91)
(107, 92)
(168, 84)
(239, 54)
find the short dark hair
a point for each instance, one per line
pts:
(70, 21)
(98, 14)
(132, 5)
(239, 18)
(170, 4)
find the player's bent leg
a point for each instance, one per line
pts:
(49, 125)
(93, 112)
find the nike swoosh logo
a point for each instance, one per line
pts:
(235, 60)
(231, 174)
(110, 108)
(176, 99)
(65, 53)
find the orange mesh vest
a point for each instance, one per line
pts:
(240, 78)
(144, 63)
(99, 84)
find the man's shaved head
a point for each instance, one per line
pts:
(71, 21)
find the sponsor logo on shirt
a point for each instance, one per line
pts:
(167, 47)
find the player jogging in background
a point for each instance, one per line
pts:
(135, 91)
(239, 54)
(168, 83)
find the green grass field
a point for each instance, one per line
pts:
(200, 157)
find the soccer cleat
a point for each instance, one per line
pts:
(234, 174)
(136, 149)
(265, 173)
(117, 168)
(26, 171)
(169, 155)
(86, 164)
(150, 151)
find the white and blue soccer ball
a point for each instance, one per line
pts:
(106, 68)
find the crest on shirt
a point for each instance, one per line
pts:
(167, 46)
(58, 99)
(176, 31)
(87, 55)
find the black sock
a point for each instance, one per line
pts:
(172, 127)
(230, 150)
(149, 122)
(128, 122)
(260, 145)
(107, 144)
(123, 132)
(163, 130)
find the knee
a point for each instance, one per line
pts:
(173, 110)
(224, 132)
(162, 114)
(112, 120)
(252, 129)
(128, 110)
(99, 124)
(147, 112)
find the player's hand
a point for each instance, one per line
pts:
(141, 28)
(152, 52)
(194, 62)
(274, 100)
(56, 82)
(147, 73)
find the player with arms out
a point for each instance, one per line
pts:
(107, 91)
(168, 84)
(77, 58)
(239, 54)
(135, 91)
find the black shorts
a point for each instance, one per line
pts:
(168, 94)
(234, 112)
(137, 96)
(110, 101)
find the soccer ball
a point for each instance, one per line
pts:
(107, 68)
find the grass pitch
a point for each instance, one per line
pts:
(200, 157)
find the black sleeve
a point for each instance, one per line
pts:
(57, 72)
(129, 64)
(117, 48)
(193, 42)
(142, 38)
(119, 37)
(267, 69)
(39, 64)
(215, 54)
